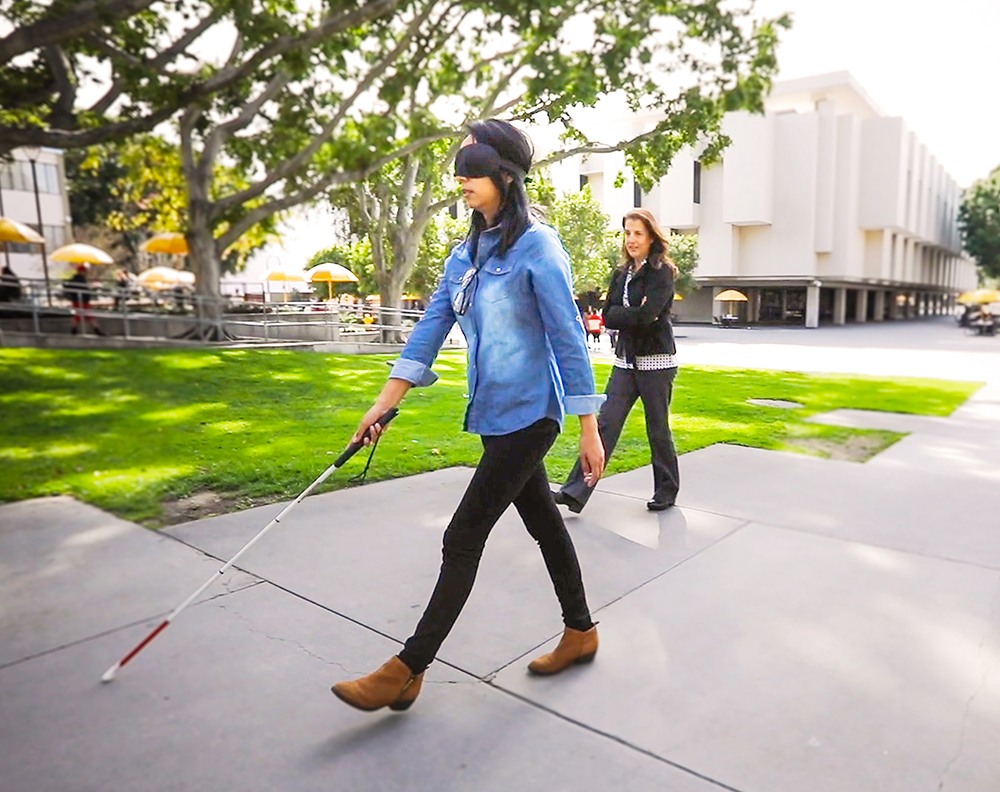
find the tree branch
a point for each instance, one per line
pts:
(158, 63)
(61, 70)
(112, 51)
(259, 213)
(331, 24)
(597, 148)
(223, 132)
(84, 18)
(290, 166)
(12, 137)
(186, 40)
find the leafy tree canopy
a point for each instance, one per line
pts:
(121, 193)
(75, 74)
(587, 236)
(979, 219)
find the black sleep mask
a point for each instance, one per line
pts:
(479, 160)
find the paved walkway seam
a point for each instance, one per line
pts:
(617, 739)
(145, 620)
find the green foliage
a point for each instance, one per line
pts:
(979, 219)
(684, 252)
(588, 238)
(442, 234)
(293, 110)
(357, 257)
(124, 192)
(127, 430)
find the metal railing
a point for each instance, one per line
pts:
(179, 315)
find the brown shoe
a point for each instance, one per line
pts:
(393, 686)
(574, 647)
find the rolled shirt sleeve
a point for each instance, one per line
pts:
(421, 350)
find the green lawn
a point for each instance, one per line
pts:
(131, 430)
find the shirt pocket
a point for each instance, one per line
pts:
(497, 282)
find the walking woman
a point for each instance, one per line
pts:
(638, 306)
(508, 285)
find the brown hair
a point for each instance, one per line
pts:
(658, 250)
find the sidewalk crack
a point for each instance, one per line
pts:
(294, 643)
(975, 694)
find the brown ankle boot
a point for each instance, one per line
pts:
(574, 647)
(393, 686)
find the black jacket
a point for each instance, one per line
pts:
(644, 327)
(77, 289)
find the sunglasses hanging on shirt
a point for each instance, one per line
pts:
(462, 299)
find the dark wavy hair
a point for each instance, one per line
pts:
(514, 216)
(658, 250)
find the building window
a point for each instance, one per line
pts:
(636, 195)
(697, 182)
(16, 175)
(55, 237)
(584, 178)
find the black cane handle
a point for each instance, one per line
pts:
(353, 448)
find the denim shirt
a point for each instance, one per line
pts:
(528, 355)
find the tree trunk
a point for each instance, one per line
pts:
(203, 250)
(207, 267)
(405, 247)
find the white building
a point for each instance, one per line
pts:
(17, 201)
(823, 209)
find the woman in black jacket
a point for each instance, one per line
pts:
(638, 306)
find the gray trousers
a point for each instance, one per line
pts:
(624, 387)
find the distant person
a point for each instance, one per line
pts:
(594, 323)
(123, 282)
(638, 307)
(78, 292)
(10, 285)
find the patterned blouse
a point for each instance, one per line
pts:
(643, 362)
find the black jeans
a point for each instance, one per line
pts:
(511, 470)
(624, 387)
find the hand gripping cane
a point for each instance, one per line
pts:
(350, 451)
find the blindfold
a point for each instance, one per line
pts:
(479, 160)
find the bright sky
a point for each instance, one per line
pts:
(936, 65)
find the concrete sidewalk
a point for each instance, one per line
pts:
(795, 625)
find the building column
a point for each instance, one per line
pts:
(840, 306)
(879, 310)
(896, 310)
(812, 306)
(861, 307)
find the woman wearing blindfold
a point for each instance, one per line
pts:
(509, 287)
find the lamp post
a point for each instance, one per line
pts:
(6, 252)
(32, 153)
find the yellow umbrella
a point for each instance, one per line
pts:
(979, 297)
(165, 278)
(330, 274)
(167, 242)
(13, 231)
(78, 253)
(283, 275)
(731, 295)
